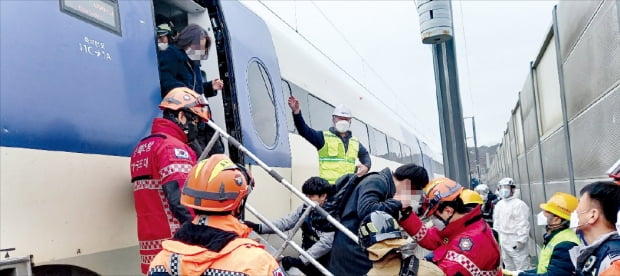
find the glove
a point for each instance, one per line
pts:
(255, 226)
(288, 262)
(511, 272)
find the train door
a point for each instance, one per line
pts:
(251, 105)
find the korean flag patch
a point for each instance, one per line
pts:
(181, 153)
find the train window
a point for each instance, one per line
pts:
(286, 91)
(262, 103)
(101, 13)
(378, 142)
(359, 130)
(320, 113)
(407, 155)
(394, 149)
(302, 96)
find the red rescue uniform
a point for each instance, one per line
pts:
(159, 159)
(465, 246)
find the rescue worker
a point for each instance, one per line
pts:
(380, 235)
(464, 245)
(337, 147)
(489, 200)
(215, 242)
(471, 199)
(594, 220)
(384, 191)
(317, 243)
(558, 240)
(511, 220)
(159, 165)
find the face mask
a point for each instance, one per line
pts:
(342, 126)
(541, 219)
(618, 222)
(195, 54)
(162, 46)
(191, 130)
(504, 193)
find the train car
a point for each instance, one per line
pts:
(80, 86)
(563, 131)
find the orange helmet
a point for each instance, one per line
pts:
(216, 184)
(439, 190)
(183, 98)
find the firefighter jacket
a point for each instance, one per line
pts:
(159, 166)
(214, 245)
(465, 246)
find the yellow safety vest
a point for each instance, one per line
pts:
(546, 252)
(334, 162)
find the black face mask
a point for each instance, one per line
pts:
(191, 130)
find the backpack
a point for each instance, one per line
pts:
(335, 203)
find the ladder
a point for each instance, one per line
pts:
(311, 204)
(15, 266)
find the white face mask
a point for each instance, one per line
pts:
(342, 126)
(541, 219)
(195, 54)
(162, 46)
(504, 193)
(574, 220)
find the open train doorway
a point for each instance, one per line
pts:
(177, 14)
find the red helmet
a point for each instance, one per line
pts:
(436, 191)
(614, 171)
(183, 98)
(216, 184)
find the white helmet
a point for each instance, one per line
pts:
(507, 181)
(342, 111)
(482, 189)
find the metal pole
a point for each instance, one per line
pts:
(284, 182)
(473, 122)
(450, 112)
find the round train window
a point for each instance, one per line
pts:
(262, 103)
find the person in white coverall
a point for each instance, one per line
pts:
(511, 221)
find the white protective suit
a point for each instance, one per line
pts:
(511, 219)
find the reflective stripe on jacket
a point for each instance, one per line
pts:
(334, 162)
(547, 250)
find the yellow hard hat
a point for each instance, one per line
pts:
(468, 196)
(561, 205)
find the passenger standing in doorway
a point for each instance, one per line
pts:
(179, 66)
(337, 147)
(511, 220)
(164, 36)
(159, 167)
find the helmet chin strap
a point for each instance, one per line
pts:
(557, 226)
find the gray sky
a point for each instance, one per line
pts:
(379, 43)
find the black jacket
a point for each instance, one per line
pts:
(374, 193)
(177, 70)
